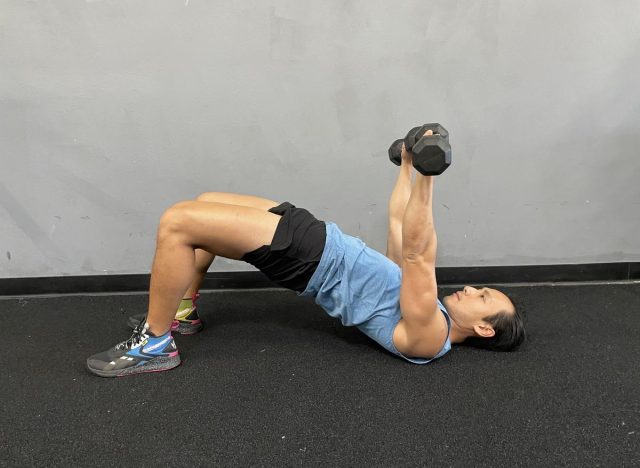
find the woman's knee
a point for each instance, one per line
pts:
(174, 218)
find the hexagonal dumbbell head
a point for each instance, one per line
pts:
(395, 152)
(412, 138)
(416, 133)
(432, 155)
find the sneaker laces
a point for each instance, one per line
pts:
(138, 336)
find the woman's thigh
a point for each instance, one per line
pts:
(238, 199)
(227, 230)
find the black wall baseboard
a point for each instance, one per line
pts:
(539, 273)
(254, 279)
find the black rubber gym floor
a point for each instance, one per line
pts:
(273, 381)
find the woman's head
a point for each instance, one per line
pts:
(487, 318)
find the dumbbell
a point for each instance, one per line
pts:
(431, 154)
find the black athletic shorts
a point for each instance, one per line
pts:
(295, 251)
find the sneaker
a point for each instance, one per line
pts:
(186, 321)
(143, 352)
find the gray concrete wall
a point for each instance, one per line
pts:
(110, 111)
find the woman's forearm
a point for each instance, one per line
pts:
(418, 231)
(401, 193)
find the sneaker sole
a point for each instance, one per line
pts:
(158, 364)
(177, 326)
(187, 328)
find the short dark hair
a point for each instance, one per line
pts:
(509, 330)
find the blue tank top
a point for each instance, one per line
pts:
(361, 287)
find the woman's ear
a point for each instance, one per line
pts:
(484, 330)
